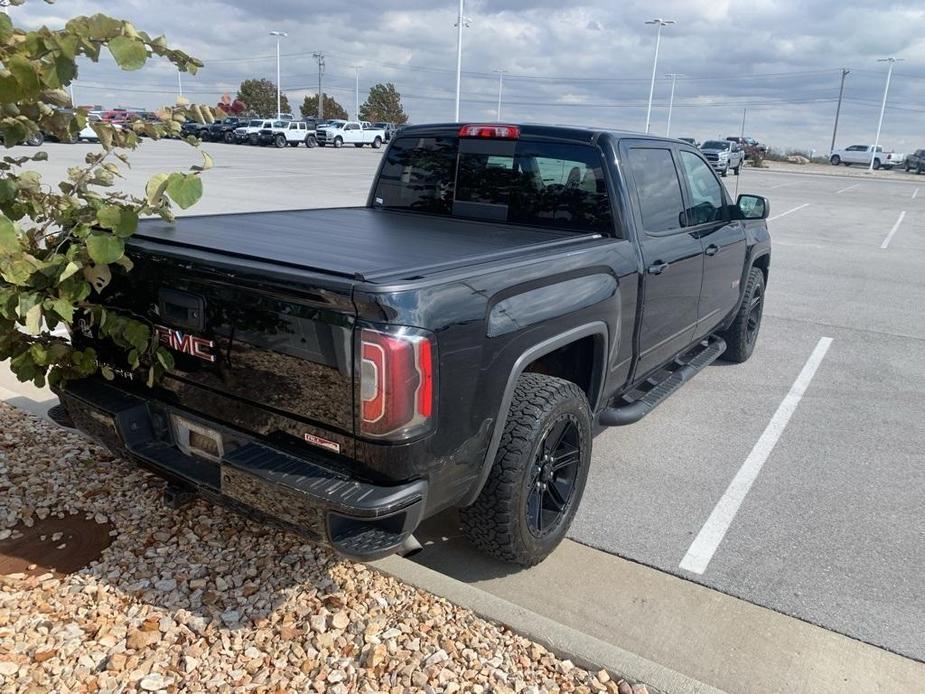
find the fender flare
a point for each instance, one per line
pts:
(597, 329)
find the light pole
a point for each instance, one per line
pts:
(500, 88)
(356, 95)
(658, 39)
(886, 91)
(279, 90)
(460, 23)
(179, 86)
(841, 92)
(674, 78)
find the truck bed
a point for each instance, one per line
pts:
(357, 242)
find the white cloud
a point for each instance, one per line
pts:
(583, 62)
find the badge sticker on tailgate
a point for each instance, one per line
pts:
(324, 443)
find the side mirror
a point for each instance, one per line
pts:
(753, 207)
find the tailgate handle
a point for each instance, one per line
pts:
(182, 309)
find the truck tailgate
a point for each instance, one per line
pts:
(268, 359)
(356, 242)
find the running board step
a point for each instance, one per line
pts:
(642, 400)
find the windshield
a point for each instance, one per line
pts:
(537, 184)
(714, 144)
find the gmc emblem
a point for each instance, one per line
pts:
(187, 344)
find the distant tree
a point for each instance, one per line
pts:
(260, 97)
(231, 107)
(383, 105)
(332, 109)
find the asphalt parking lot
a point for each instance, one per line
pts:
(825, 521)
(831, 529)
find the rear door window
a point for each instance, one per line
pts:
(658, 188)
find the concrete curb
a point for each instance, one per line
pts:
(583, 650)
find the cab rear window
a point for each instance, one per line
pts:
(519, 182)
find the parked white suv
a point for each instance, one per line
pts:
(860, 154)
(344, 132)
(286, 132)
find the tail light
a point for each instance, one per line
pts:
(396, 383)
(498, 132)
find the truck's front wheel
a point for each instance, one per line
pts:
(539, 473)
(742, 335)
(338, 141)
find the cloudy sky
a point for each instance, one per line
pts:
(586, 61)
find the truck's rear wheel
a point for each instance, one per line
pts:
(377, 143)
(539, 473)
(742, 335)
(876, 164)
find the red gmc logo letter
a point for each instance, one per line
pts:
(188, 344)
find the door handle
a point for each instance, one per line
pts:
(658, 268)
(712, 249)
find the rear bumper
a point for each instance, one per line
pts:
(359, 520)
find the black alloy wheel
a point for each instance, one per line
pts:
(755, 311)
(555, 470)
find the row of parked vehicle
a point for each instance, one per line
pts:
(729, 154)
(286, 131)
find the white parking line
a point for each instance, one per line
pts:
(915, 193)
(711, 534)
(798, 207)
(889, 237)
(853, 185)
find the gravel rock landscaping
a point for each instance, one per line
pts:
(203, 599)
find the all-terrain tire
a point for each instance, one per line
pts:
(338, 142)
(229, 137)
(497, 521)
(377, 143)
(279, 141)
(742, 335)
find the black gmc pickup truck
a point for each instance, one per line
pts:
(506, 293)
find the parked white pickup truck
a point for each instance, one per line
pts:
(344, 132)
(860, 154)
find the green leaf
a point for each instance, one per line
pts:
(6, 27)
(71, 268)
(154, 190)
(129, 53)
(184, 189)
(105, 248)
(7, 190)
(24, 72)
(137, 334)
(34, 320)
(63, 308)
(122, 220)
(9, 239)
